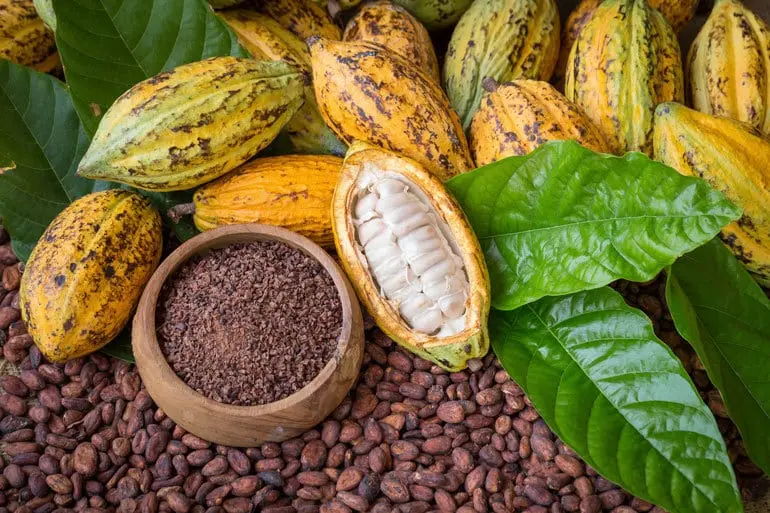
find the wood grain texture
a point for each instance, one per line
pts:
(247, 426)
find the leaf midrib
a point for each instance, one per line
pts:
(601, 392)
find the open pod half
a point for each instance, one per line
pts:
(412, 256)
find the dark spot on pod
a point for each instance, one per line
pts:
(109, 271)
(59, 279)
(68, 324)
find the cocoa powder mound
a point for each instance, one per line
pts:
(249, 324)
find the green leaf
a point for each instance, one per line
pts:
(107, 46)
(725, 315)
(42, 139)
(565, 219)
(618, 396)
(120, 347)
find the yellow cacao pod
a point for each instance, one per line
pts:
(266, 39)
(368, 93)
(517, 117)
(303, 17)
(624, 63)
(411, 256)
(503, 40)
(194, 123)
(292, 191)
(24, 38)
(384, 23)
(735, 159)
(729, 65)
(436, 14)
(84, 277)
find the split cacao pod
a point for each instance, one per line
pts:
(436, 14)
(735, 159)
(368, 93)
(304, 18)
(194, 123)
(624, 63)
(266, 39)
(24, 38)
(677, 12)
(517, 117)
(291, 191)
(729, 65)
(84, 277)
(412, 256)
(503, 40)
(384, 23)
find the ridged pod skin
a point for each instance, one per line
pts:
(291, 191)
(451, 351)
(368, 93)
(677, 12)
(194, 123)
(503, 40)
(304, 18)
(266, 39)
(24, 38)
(729, 65)
(436, 14)
(624, 63)
(735, 159)
(517, 117)
(84, 277)
(384, 23)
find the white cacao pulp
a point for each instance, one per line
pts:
(410, 253)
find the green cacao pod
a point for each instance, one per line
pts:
(84, 277)
(436, 14)
(503, 40)
(45, 10)
(625, 62)
(194, 123)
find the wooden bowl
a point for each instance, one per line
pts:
(247, 426)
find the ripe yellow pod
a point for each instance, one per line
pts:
(368, 93)
(517, 117)
(84, 277)
(291, 191)
(384, 23)
(503, 40)
(24, 38)
(624, 63)
(303, 17)
(735, 159)
(194, 123)
(266, 39)
(729, 65)
(412, 256)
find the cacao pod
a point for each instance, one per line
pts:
(735, 159)
(677, 12)
(503, 40)
(436, 14)
(384, 23)
(84, 277)
(194, 123)
(729, 65)
(266, 39)
(292, 191)
(45, 10)
(304, 18)
(24, 38)
(625, 61)
(517, 117)
(411, 256)
(368, 93)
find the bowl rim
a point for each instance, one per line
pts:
(209, 240)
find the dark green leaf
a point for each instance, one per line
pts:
(41, 135)
(107, 46)
(723, 313)
(120, 347)
(565, 219)
(618, 396)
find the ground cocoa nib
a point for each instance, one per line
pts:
(249, 323)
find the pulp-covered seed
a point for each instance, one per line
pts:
(410, 257)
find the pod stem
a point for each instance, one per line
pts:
(185, 209)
